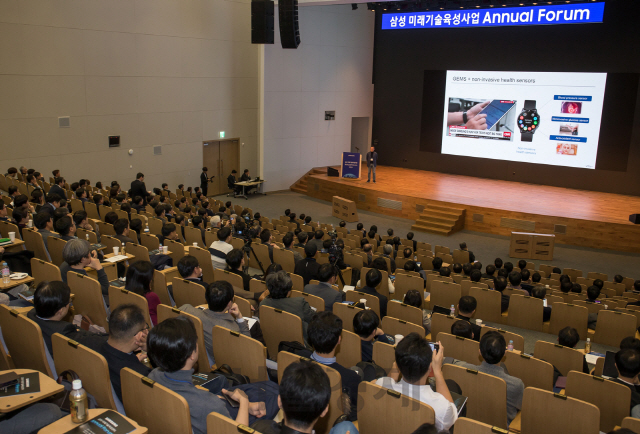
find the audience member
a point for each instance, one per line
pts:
(139, 281)
(414, 298)
(219, 249)
(500, 284)
(462, 329)
(540, 292)
(628, 366)
(235, 265)
(366, 324)
(328, 276)
(308, 268)
(65, 228)
(44, 224)
(466, 310)
(77, 255)
(569, 337)
(372, 280)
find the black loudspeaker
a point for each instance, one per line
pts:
(635, 219)
(262, 22)
(289, 30)
(332, 172)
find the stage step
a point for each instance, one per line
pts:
(438, 219)
(300, 185)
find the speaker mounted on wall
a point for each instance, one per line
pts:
(289, 30)
(262, 22)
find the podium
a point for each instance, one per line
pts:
(526, 245)
(344, 209)
(350, 165)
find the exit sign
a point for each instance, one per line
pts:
(222, 134)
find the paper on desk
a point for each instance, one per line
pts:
(348, 288)
(593, 358)
(115, 258)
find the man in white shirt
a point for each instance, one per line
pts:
(415, 361)
(220, 248)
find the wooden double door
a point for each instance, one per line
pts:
(221, 157)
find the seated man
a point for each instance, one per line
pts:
(569, 337)
(500, 284)
(77, 254)
(387, 252)
(235, 265)
(127, 336)
(51, 301)
(540, 292)
(305, 392)
(415, 361)
(366, 324)
(492, 349)
(308, 267)
(437, 264)
(43, 222)
(324, 333)
(220, 248)
(593, 292)
(411, 265)
(222, 311)
(490, 271)
(122, 231)
(287, 240)
(267, 239)
(327, 275)
(169, 231)
(628, 366)
(372, 280)
(66, 228)
(462, 328)
(466, 309)
(173, 348)
(302, 239)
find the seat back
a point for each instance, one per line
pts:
(256, 285)
(348, 351)
(55, 246)
(467, 284)
(382, 410)
(193, 235)
(489, 304)
(176, 249)
(591, 307)
(383, 286)
(631, 423)
(613, 327)
(565, 314)
(140, 252)
(525, 312)
(393, 326)
(33, 241)
(155, 226)
(262, 253)
(372, 302)
(243, 354)
(314, 301)
(233, 279)
(285, 259)
(346, 313)
(487, 395)
(88, 299)
(120, 296)
(384, 355)
(165, 312)
(188, 292)
(441, 323)
(404, 312)
(154, 406)
(613, 399)
(44, 271)
(278, 326)
(445, 294)
(26, 348)
(82, 234)
(6, 227)
(106, 228)
(572, 273)
(161, 280)
(518, 340)
(110, 242)
(404, 283)
(150, 241)
(92, 210)
(565, 359)
(460, 348)
(547, 412)
(219, 424)
(533, 372)
(90, 366)
(204, 261)
(297, 280)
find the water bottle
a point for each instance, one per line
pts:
(587, 346)
(510, 346)
(6, 274)
(122, 250)
(87, 236)
(453, 310)
(78, 400)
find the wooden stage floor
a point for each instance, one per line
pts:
(591, 219)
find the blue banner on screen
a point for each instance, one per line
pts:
(351, 164)
(521, 16)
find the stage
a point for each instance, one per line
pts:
(577, 217)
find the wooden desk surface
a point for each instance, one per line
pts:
(65, 424)
(15, 283)
(48, 387)
(111, 255)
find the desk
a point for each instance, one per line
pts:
(14, 283)
(111, 255)
(245, 184)
(48, 387)
(16, 246)
(65, 424)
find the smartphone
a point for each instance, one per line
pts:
(419, 264)
(232, 402)
(392, 277)
(496, 110)
(434, 347)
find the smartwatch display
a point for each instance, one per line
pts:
(528, 121)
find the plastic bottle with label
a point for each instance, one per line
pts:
(79, 404)
(6, 274)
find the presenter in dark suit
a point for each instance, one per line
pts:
(246, 177)
(372, 163)
(139, 189)
(204, 181)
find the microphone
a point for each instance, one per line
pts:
(357, 149)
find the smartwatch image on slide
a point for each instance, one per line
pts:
(528, 121)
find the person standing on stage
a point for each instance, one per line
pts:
(372, 162)
(204, 181)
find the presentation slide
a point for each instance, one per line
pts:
(532, 117)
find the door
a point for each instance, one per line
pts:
(221, 157)
(211, 160)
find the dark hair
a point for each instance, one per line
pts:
(462, 328)
(467, 304)
(111, 217)
(445, 271)
(457, 268)
(593, 292)
(599, 283)
(525, 274)
(508, 266)
(492, 347)
(618, 278)
(97, 198)
(20, 214)
(576, 288)
(426, 428)
(305, 392)
(319, 234)
(302, 237)
(413, 357)
(515, 278)
(467, 268)
(20, 200)
(413, 298)
(124, 321)
(136, 226)
(556, 270)
(628, 362)
(324, 331)
(140, 175)
(265, 236)
(568, 337)
(491, 269)
(167, 229)
(139, 277)
(218, 295)
(410, 265)
(498, 263)
(475, 275)
(630, 342)
(539, 291)
(326, 272)
(186, 265)
(63, 225)
(522, 264)
(234, 258)
(310, 250)
(224, 233)
(373, 278)
(79, 216)
(287, 239)
(500, 283)
(566, 286)
(40, 220)
(535, 277)
(50, 297)
(437, 263)
(279, 284)
(121, 225)
(365, 322)
(171, 343)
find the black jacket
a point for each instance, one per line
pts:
(476, 328)
(308, 269)
(138, 189)
(382, 298)
(56, 189)
(116, 360)
(204, 178)
(67, 329)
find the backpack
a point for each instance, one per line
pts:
(371, 371)
(233, 378)
(295, 348)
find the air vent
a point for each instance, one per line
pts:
(316, 187)
(157, 150)
(523, 225)
(64, 122)
(388, 203)
(478, 218)
(419, 208)
(560, 229)
(362, 198)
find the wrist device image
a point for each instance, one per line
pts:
(528, 121)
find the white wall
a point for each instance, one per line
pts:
(330, 70)
(155, 72)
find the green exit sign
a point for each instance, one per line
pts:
(222, 134)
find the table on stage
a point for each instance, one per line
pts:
(245, 184)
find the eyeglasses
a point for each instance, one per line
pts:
(146, 328)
